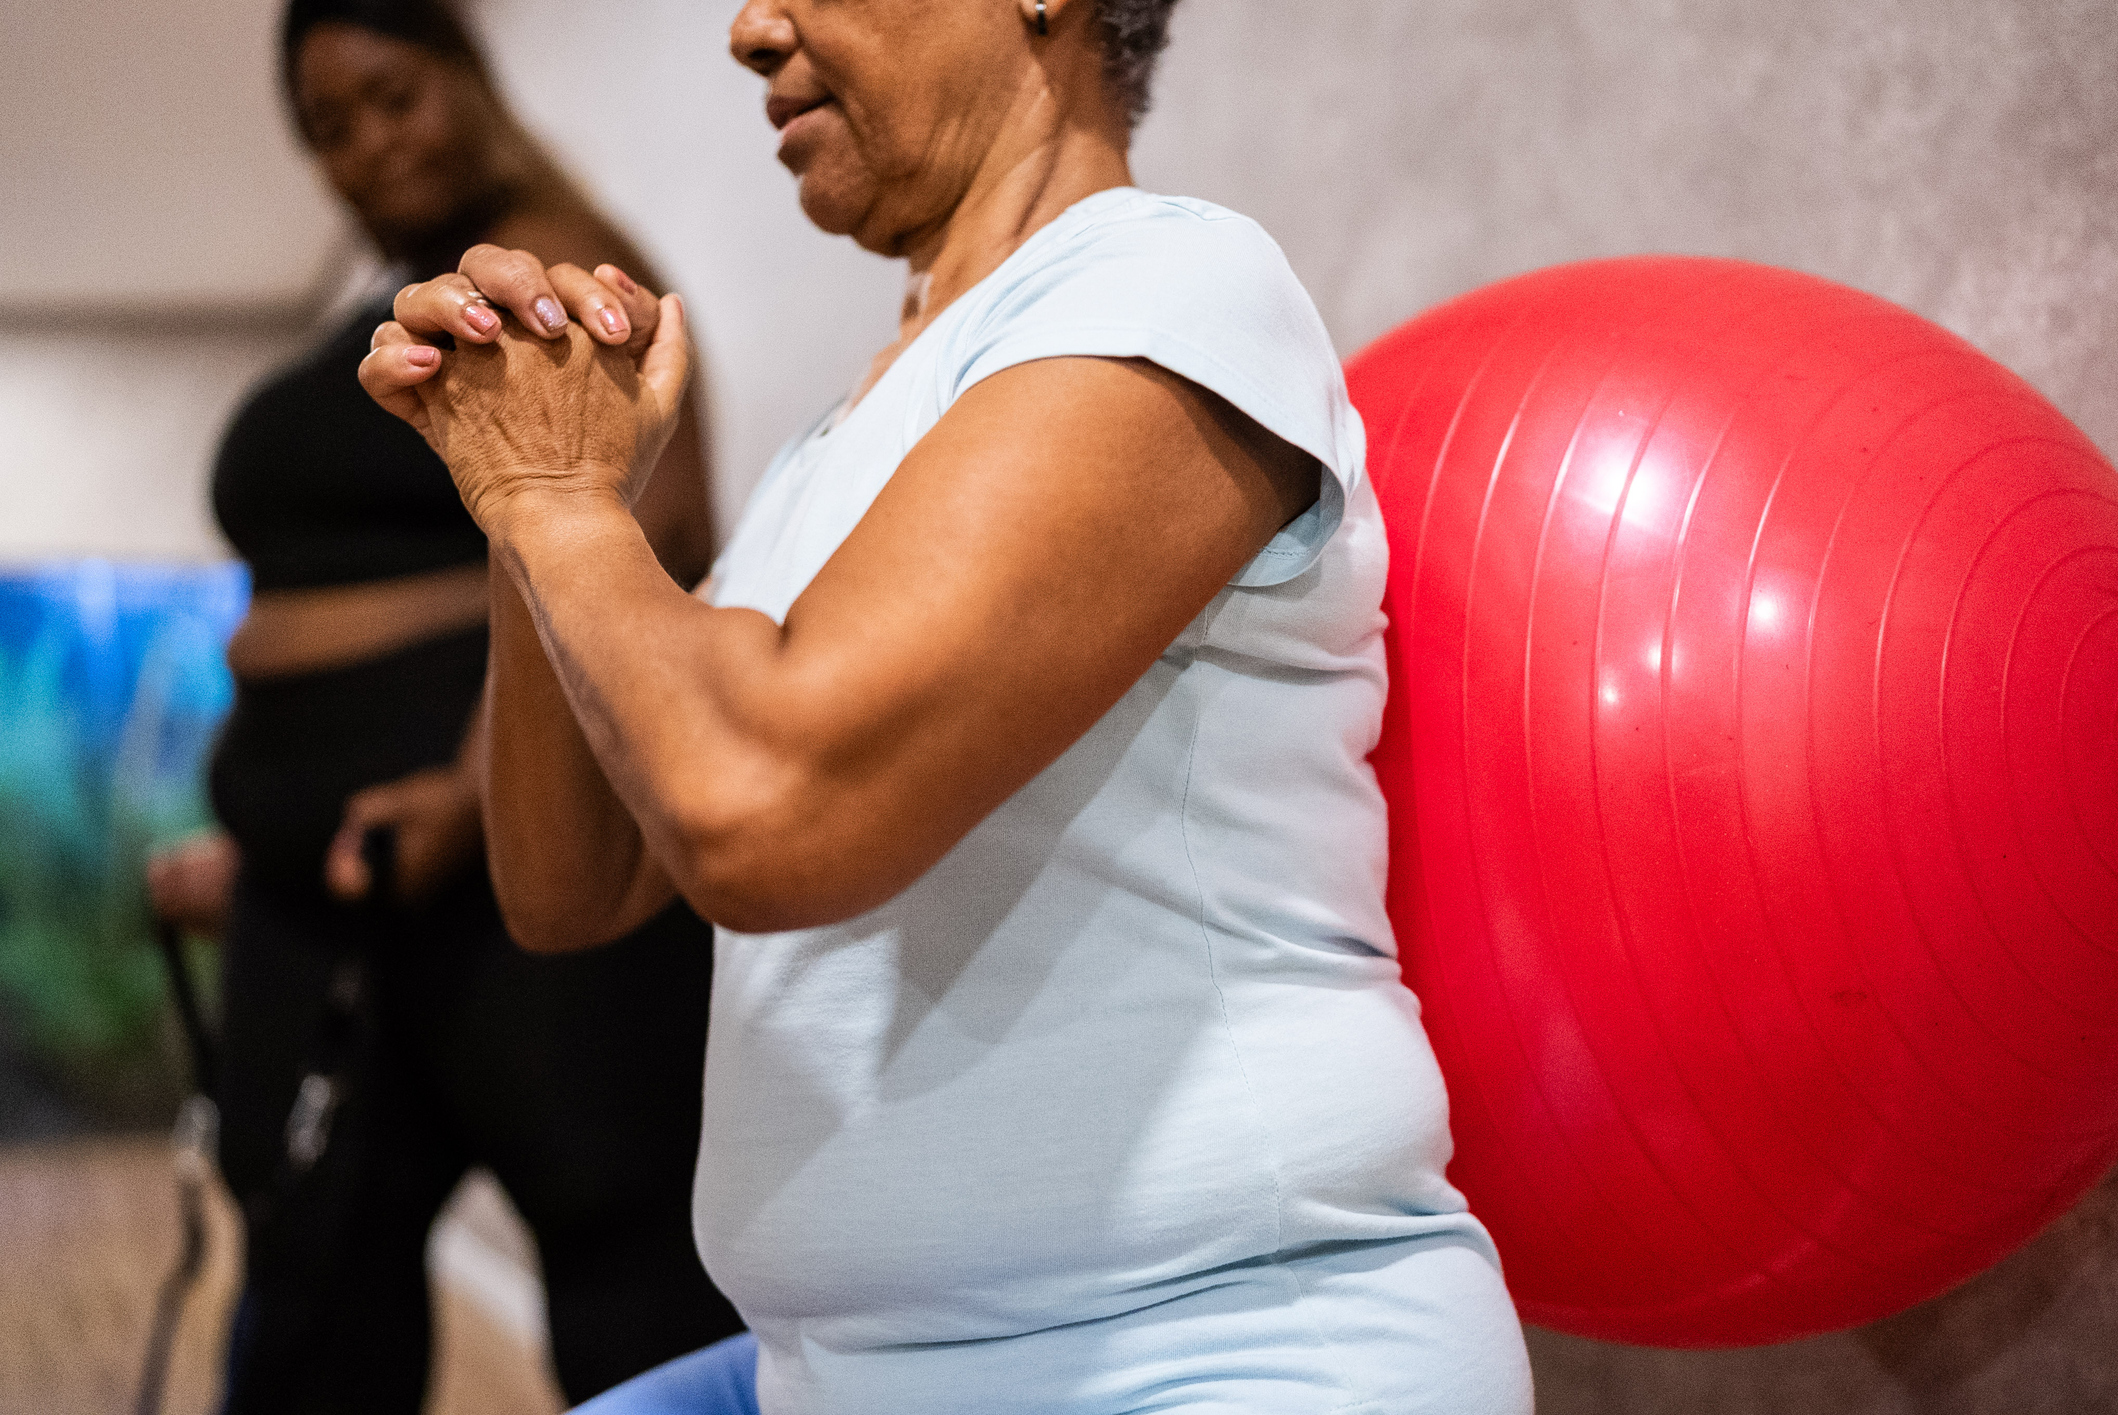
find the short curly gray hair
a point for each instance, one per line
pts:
(1134, 33)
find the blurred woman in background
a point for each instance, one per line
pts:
(382, 1033)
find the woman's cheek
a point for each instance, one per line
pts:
(838, 185)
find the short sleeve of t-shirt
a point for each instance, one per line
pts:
(1209, 296)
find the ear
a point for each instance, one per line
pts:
(1041, 17)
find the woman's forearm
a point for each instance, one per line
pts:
(676, 509)
(568, 863)
(706, 754)
(575, 871)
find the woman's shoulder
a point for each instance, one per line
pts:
(1124, 217)
(1159, 250)
(1193, 287)
(1128, 267)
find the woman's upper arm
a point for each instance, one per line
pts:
(1026, 564)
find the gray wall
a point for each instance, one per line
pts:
(1957, 156)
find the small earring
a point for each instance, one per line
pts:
(1044, 26)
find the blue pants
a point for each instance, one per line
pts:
(720, 1380)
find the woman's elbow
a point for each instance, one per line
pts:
(789, 861)
(542, 921)
(741, 883)
(546, 931)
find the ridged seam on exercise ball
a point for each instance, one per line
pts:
(1753, 761)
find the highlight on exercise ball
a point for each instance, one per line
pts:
(1752, 752)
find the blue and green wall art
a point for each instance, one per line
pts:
(112, 684)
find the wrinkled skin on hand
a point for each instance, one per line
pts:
(527, 414)
(558, 380)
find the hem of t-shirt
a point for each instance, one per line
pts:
(1299, 543)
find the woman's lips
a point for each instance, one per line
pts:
(781, 111)
(795, 128)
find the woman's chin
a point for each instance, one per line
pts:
(834, 207)
(405, 228)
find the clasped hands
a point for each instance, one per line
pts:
(559, 381)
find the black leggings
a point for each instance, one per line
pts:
(575, 1078)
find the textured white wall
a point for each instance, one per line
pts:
(144, 164)
(161, 242)
(106, 435)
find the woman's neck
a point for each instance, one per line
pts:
(437, 252)
(525, 186)
(1026, 192)
(1045, 160)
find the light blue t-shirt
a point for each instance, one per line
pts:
(1103, 1102)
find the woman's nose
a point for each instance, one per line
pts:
(763, 36)
(372, 137)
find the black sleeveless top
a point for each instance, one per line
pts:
(316, 485)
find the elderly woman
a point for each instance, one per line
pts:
(1058, 1057)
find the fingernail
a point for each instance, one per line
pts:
(420, 356)
(549, 312)
(625, 282)
(480, 318)
(613, 323)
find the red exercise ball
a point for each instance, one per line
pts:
(1752, 753)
